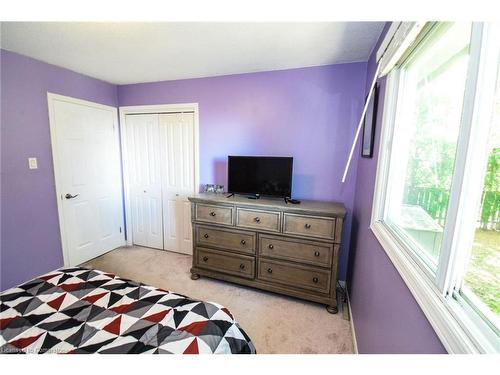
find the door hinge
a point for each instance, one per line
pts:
(120, 229)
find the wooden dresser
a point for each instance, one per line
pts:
(291, 249)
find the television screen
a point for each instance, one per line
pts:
(264, 175)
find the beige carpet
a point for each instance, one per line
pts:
(276, 324)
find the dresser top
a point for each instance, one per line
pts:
(306, 206)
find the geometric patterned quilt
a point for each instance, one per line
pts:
(80, 310)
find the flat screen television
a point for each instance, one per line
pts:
(262, 175)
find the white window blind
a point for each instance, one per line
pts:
(396, 41)
(396, 44)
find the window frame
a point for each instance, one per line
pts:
(457, 324)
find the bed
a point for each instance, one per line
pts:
(80, 310)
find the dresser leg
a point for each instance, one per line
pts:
(332, 309)
(195, 276)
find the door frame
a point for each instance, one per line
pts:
(153, 109)
(51, 99)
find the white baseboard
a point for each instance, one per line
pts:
(353, 330)
(343, 284)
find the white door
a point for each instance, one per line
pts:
(85, 148)
(143, 151)
(177, 152)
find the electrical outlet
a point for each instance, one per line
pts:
(32, 163)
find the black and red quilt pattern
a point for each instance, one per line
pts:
(78, 310)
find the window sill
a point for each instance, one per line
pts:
(445, 315)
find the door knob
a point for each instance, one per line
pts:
(69, 196)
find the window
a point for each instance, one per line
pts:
(437, 196)
(432, 84)
(480, 286)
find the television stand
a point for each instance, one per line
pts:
(269, 245)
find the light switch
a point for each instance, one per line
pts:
(32, 163)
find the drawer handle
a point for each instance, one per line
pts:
(270, 270)
(205, 235)
(316, 254)
(242, 266)
(271, 246)
(205, 259)
(315, 280)
(212, 213)
(257, 219)
(308, 226)
(243, 242)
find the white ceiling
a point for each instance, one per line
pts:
(123, 53)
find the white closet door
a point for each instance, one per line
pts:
(144, 175)
(177, 160)
(87, 166)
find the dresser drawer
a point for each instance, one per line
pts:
(233, 264)
(315, 253)
(225, 239)
(303, 277)
(214, 214)
(313, 226)
(258, 219)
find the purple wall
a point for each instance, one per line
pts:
(289, 112)
(386, 316)
(30, 241)
(307, 113)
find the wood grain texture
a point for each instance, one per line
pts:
(309, 295)
(295, 275)
(239, 265)
(258, 219)
(310, 226)
(330, 209)
(227, 239)
(302, 251)
(214, 214)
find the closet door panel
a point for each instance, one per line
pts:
(144, 170)
(177, 159)
(186, 242)
(171, 223)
